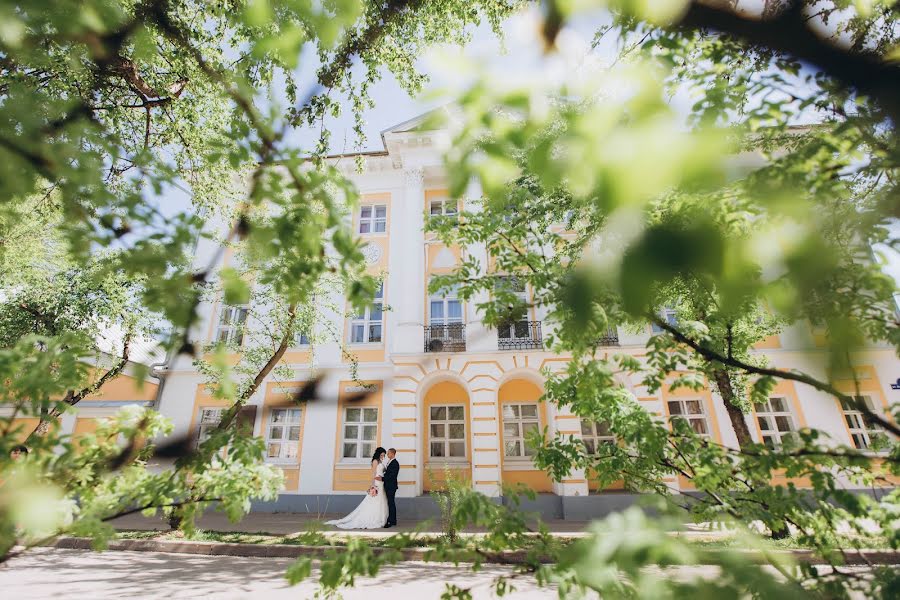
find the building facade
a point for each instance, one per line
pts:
(452, 394)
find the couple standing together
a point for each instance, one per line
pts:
(377, 509)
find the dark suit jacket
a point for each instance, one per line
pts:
(390, 475)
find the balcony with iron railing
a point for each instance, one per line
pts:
(520, 335)
(610, 338)
(447, 337)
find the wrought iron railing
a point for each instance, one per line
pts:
(520, 335)
(450, 337)
(611, 338)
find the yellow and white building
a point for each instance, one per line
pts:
(452, 393)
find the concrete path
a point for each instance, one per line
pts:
(288, 523)
(52, 573)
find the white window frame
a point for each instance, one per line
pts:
(301, 340)
(358, 439)
(208, 418)
(667, 314)
(520, 436)
(447, 208)
(857, 425)
(365, 320)
(767, 415)
(372, 221)
(445, 439)
(592, 432)
(294, 418)
(690, 417)
(228, 330)
(510, 328)
(445, 297)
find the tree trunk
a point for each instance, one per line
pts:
(723, 384)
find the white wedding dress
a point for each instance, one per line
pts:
(372, 512)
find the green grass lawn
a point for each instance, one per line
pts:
(317, 538)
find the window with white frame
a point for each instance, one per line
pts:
(518, 421)
(447, 427)
(209, 420)
(232, 319)
(667, 314)
(594, 435)
(776, 423)
(373, 218)
(515, 329)
(691, 410)
(443, 207)
(863, 430)
(301, 339)
(359, 434)
(283, 433)
(366, 326)
(445, 306)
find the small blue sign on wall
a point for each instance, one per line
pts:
(896, 386)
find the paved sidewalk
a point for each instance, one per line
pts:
(293, 523)
(53, 573)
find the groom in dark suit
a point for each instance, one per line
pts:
(390, 486)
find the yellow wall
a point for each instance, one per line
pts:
(276, 397)
(24, 426)
(444, 392)
(867, 383)
(712, 420)
(356, 478)
(371, 352)
(786, 388)
(521, 390)
(123, 387)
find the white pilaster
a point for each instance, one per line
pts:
(478, 337)
(408, 267)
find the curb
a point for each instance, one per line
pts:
(852, 557)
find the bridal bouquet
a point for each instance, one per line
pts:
(373, 491)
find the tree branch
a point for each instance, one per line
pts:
(787, 33)
(712, 355)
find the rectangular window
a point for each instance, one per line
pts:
(232, 320)
(301, 339)
(447, 428)
(209, 420)
(373, 218)
(595, 435)
(863, 430)
(518, 421)
(366, 326)
(516, 330)
(690, 410)
(669, 316)
(776, 423)
(445, 307)
(283, 434)
(444, 207)
(359, 434)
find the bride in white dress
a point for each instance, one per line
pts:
(372, 512)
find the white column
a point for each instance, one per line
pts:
(320, 425)
(486, 439)
(478, 337)
(408, 268)
(563, 421)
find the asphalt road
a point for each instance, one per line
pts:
(70, 574)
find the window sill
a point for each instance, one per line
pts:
(436, 462)
(353, 465)
(283, 462)
(518, 465)
(368, 345)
